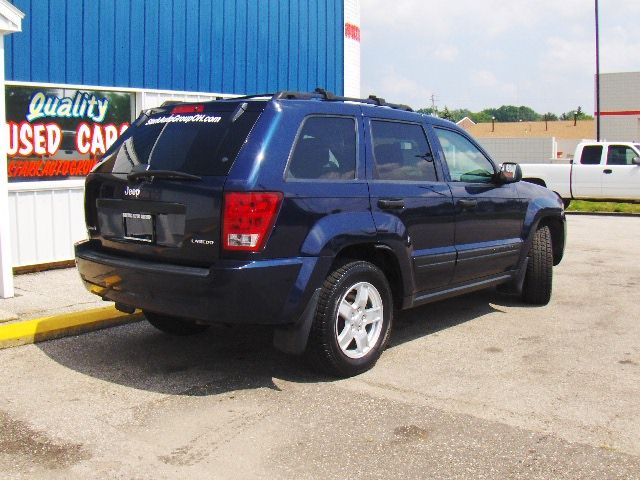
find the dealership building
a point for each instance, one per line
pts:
(620, 106)
(78, 72)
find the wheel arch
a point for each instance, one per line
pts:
(386, 260)
(535, 181)
(558, 235)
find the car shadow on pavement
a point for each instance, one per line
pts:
(227, 359)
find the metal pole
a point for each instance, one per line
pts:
(6, 265)
(597, 75)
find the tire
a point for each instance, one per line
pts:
(539, 275)
(174, 325)
(343, 342)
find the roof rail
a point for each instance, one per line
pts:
(322, 94)
(317, 94)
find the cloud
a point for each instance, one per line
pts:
(446, 53)
(398, 87)
(473, 54)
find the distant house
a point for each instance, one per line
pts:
(466, 123)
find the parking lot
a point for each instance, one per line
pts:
(475, 387)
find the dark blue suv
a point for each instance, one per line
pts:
(317, 214)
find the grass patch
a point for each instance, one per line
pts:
(615, 207)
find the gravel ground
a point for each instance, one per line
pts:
(475, 387)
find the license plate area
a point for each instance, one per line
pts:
(139, 227)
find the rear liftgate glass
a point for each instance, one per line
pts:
(165, 198)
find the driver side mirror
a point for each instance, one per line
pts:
(636, 161)
(509, 172)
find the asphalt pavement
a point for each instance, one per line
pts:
(481, 386)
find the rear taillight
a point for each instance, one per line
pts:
(188, 109)
(248, 219)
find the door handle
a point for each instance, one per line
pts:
(391, 203)
(607, 171)
(467, 204)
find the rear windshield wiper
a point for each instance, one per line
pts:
(171, 174)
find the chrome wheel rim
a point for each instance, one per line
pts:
(359, 320)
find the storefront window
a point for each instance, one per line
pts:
(60, 133)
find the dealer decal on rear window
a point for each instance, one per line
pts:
(184, 119)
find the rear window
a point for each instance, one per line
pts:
(591, 155)
(204, 143)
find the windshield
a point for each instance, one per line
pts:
(197, 143)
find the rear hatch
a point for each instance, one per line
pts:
(157, 193)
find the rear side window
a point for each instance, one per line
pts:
(201, 144)
(325, 149)
(401, 152)
(591, 155)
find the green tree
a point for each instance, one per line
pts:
(579, 114)
(446, 114)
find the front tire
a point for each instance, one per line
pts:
(353, 320)
(174, 325)
(539, 276)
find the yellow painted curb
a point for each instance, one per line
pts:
(47, 328)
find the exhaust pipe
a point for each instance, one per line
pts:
(125, 308)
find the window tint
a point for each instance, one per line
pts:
(200, 144)
(620, 155)
(325, 149)
(591, 155)
(466, 163)
(401, 152)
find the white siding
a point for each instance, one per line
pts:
(46, 219)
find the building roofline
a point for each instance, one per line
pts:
(10, 18)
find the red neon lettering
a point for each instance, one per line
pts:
(26, 135)
(54, 137)
(12, 129)
(39, 140)
(97, 140)
(83, 132)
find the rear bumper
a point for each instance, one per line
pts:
(241, 292)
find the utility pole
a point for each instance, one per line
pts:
(597, 75)
(434, 107)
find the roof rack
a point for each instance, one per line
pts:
(317, 94)
(321, 93)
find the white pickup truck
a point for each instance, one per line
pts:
(599, 171)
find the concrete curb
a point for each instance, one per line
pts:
(48, 328)
(605, 214)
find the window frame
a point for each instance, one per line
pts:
(617, 145)
(356, 178)
(372, 155)
(443, 157)
(602, 151)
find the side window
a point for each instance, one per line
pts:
(401, 152)
(620, 155)
(591, 155)
(466, 163)
(325, 149)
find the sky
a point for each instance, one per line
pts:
(480, 54)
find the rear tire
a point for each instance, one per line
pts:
(174, 325)
(352, 322)
(539, 276)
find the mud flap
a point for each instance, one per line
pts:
(293, 339)
(514, 287)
